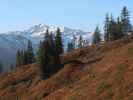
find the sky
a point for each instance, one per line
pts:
(77, 14)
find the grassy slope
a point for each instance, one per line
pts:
(109, 78)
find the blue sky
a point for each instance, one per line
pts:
(79, 14)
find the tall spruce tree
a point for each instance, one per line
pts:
(48, 57)
(46, 36)
(80, 42)
(113, 29)
(52, 40)
(18, 58)
(96, 36)
(106, 28)
(112, 25)
(74, 40)
(58, 42)
(119, 33)
(30, 53)
(125, 18)
(24, 57)
(43, 59)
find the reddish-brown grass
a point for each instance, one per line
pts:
(109, 78)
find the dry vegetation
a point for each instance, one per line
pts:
(105, 75)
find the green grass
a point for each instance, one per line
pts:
(102, 87)
(120, 72)
(119, 79)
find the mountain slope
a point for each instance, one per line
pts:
(10, 42)
(105, 74)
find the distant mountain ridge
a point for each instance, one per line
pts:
(12, 41)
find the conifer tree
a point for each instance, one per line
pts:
(52, 41)
(96, 36)
(30, 53)
(80, 42)
(112, 26)
(106, 28)
(70, 46)
(74, 41)
(24, 57)
(58, 42)
(43, 59)
(119, 29)
(115, 29)
(46, 36)
(48, 57)
(125, 18)
(18, 58)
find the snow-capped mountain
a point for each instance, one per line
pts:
(10, 42)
